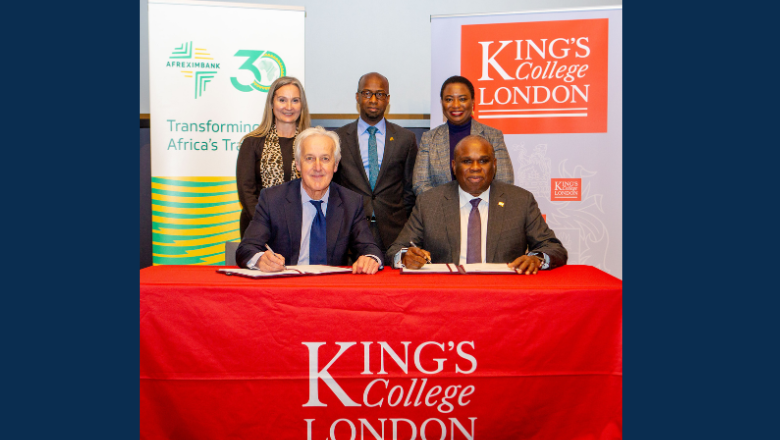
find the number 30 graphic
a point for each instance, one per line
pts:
(271, 68)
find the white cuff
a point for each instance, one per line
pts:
(397, 258)
(378, 260)
(252, 264)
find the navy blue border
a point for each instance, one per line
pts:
(70, 315)
(700, 338)
(699, 100)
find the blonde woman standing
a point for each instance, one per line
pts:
(266, 155)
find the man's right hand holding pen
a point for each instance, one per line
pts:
(415, 258)
(270, 261)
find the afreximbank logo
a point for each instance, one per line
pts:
(194, 62)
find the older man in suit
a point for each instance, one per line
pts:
(476, 219)
(309, 220)
(378, 161)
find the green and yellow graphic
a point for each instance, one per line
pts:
(271, 68)
(192, 218)
(202, 77)
(183, 52)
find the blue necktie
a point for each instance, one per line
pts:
(474, 234)
(318, 253)
(373, 157)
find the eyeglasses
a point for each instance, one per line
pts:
(367, 94)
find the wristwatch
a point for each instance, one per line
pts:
(540, 258)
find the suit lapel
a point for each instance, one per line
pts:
(294, 213)
(476, 128)
(333, 220)
(352, 148)
(451, 208)
(441, 142)
(495, 223)
(390, 146)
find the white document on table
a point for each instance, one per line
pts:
(492, 268)
(319, 269)
(432, 268)
(291, 271)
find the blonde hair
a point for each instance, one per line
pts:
(304, 120)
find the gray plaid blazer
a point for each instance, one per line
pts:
(433, 158)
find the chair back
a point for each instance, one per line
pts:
(230, 252)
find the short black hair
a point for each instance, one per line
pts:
(457, 79)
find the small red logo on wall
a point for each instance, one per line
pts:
(566, 190)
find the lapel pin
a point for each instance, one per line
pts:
(391, 138)
(501, 204)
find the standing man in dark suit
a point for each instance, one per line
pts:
(378, 161)
(475, 219)
(309, 220)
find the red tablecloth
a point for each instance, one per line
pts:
(388, 356)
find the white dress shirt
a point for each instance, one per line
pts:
(363, 135)
(465, 209)
(309, 212)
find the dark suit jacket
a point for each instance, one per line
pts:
(513, 228)
(278, 217)
(393, 197)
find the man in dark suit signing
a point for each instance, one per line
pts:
(475, 219)
(309, 220)
(378, 161)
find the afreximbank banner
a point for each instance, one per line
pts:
(551, 81)
(210, 66)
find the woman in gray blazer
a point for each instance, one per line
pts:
(432, 167)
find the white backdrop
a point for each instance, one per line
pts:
(210, 65)
(591, 227)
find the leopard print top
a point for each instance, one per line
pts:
(271, 171)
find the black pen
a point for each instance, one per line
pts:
(427, 257)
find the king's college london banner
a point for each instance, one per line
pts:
(551, 81)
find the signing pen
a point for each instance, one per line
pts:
(427, 257)
(275, 254)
